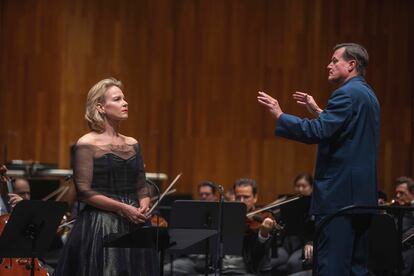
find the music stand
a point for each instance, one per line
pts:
(197, 215)
(294, 214)
(144, 237)
(30, 229)
(157, 238)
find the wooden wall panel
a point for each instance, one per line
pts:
(191, 70)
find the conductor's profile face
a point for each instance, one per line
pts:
(245, 194)
(339, 69)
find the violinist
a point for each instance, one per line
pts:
(294, 249)
(404, 196)
(257, 241)
(21, 191)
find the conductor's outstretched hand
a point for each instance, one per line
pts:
(307, 100)
(271, 104)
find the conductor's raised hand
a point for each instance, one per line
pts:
(271, 104)
(308, 101)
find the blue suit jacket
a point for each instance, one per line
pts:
(347, 134)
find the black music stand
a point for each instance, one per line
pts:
(158, 238)
(31, 229)
(196, 215)
(145, 237)
(294, 215)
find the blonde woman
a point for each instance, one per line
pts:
(110, 179)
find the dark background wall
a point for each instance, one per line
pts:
(191, 70)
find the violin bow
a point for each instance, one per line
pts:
(170, 192)
(164, 193)
(62, 193)
(272, 205)
(55, 192)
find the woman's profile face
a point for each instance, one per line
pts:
(302, 187)
(115, 106)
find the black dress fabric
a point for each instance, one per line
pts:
(116, 171)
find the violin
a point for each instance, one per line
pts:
(16, 266)
(254, 222)
(255, 218)
(158, 221)
(164, 193)
(154, 198)
(393, 202)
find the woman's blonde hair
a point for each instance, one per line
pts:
(97, 95)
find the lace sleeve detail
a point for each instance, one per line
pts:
(143, 189)
(83, 171)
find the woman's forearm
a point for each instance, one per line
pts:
(104, 203)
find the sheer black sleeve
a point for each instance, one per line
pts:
(83, 170)
(143, 189)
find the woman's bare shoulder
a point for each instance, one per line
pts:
(129, 140)
(88, 138)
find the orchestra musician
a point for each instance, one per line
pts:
(255, 259)
(230, 196)
(257, 240)
(110, 179)
(294, 248)
(21, 191)
(404, 196)
(207, 191)
(347, 134)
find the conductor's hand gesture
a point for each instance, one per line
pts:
(271, 104)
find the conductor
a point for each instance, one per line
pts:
(347, 134)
